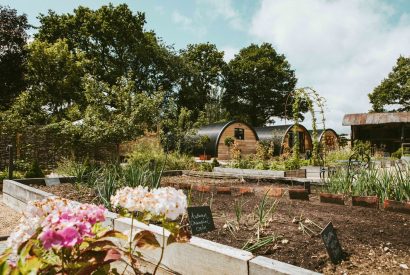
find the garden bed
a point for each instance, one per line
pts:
(375, 240)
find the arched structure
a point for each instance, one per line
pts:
(283, 137)
(243, 134)
(328, 139)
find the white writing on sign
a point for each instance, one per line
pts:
(199, 220)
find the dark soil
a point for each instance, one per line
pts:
(375, 241)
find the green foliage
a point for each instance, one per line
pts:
(292, 164)
(215, 162)
(362, 147)
(311, 97)
(54, 77)
(34, 171)
(343, 140)
(391, 184)
(334, 157)
(146, 151)
(177, 129)
(202, 81)
(398, 154)
(113, 39)
(5, 174)
(229, 141)
(258, 83)
(13, 38)
(393, 90)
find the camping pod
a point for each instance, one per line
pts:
(328, 139)
(242, 133)
(283, 139)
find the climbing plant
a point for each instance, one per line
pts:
(312, 98)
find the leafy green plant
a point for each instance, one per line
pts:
(107, 183)
(253, 246)
(34, 171)
(238, 206)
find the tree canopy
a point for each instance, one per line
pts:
(202, 80)
(393, 93)
(113, 39)
(13, 37)
(258, 84)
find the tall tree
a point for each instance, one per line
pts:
(202, 81)
(393, 91)
(259, 82)
(54, 77)
(114, 40)
(13, 38)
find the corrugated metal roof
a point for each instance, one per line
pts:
(376, 118)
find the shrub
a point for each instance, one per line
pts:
(146, 152)
(34, 171)
(215, 163)
(333, 158)
(398, 154)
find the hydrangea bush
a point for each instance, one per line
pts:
(58, 236)
(161, 205)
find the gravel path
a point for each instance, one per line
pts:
(8, 218)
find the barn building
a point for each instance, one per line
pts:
(385, 131)
(283, 138)
(327, 138)
(243, 134)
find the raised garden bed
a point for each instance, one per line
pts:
(198, 256)
(397, 206)
(366, 201)
(332, 198)
(364, 233)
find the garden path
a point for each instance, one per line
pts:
(8, 221)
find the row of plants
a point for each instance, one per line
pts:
(386, 184)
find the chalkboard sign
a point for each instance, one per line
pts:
(332, 244)
(200, 219)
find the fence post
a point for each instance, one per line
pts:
(9, 149)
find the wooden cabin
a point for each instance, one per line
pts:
(327, 138)
(243, 134)
(386, 132)
(283, 138)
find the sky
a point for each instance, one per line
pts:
(340, 48)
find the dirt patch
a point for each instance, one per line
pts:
(375, 241)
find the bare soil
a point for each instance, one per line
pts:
(375, 241)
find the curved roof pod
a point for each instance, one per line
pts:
(214, 132)
(321, 135)
(278, 133)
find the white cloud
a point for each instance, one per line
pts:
(343, 49)
(217, 8)
(183, 20)
(229, 52)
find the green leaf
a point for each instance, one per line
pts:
(146, 240)
(112, 234)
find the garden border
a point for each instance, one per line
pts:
(199, 256)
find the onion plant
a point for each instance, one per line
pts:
(392, 183)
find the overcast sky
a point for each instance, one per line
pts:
(341, 48)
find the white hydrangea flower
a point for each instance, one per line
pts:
(166, 201)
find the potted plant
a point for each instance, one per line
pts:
(228, 142)
(203, 141)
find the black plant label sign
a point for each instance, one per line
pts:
(200, 219)
(332, 244)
